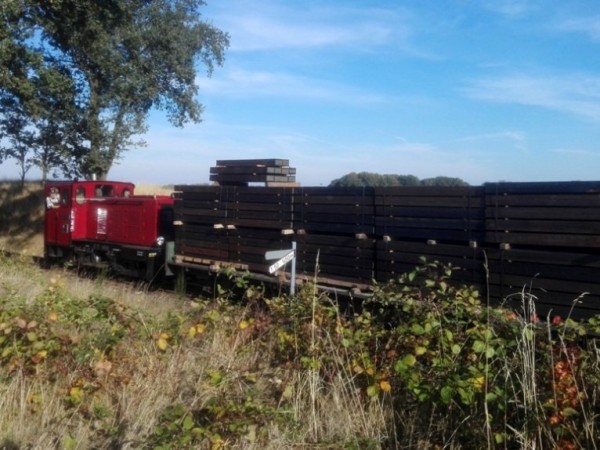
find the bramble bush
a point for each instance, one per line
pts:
(423, 363)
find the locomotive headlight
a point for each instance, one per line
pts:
(160, 241)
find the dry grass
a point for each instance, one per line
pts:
(22, 215)
(152, 189)
(125, 404)
(231, 374)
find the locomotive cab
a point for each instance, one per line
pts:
(103, 224)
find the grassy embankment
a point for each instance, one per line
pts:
(86, 363)
(21, 218)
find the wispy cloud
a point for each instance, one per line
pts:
(577, 152)
(576, 94)
(517, 138)
(274, 26)
(408, 147)
(589, 26)
(242, 83)
(509, 8)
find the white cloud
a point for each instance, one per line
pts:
(251, 83)
(589, 26)
(509, 8)
(517, 138)
(412, 148)
(576, 152)
(265, 33)
(576, 94)
(272, 26)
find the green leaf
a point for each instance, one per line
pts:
(455, 349)
(69, 442)
(479, 346)
(216, 377)
(491, 397)
(446, 394)
(188, 422)
(420, 350)
(372, 390)
(400, 367)
(417, 329)
(410, 360)
(466, 396)
(568, 412)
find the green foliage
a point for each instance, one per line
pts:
(221, 420)
(425, 348)
(78, 78)
(363, 179)
(457, 361)
(60, 332)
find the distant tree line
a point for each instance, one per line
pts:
(360, 179)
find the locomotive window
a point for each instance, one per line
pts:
(165, 226)
(80, 196)
(104, 190)
(65, 196)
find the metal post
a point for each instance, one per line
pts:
(293, 280)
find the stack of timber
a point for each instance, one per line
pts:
(506, 238)
(440, 223)
(201, 211)
(243, 172)
(563, 214)
(335, 228)
(231, 226)
(544, 240)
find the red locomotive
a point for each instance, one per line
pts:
(103, 224)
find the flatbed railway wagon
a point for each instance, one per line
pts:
(539, 239)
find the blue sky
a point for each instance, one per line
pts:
(481, 90)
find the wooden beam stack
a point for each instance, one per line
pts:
(440, 223)
(544, 241)
(243, 172)
(507, 238)
(335, 228)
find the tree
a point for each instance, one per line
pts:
(18, 139)
(374, 179)
(443, 181)
(362, 179)
(88, 73)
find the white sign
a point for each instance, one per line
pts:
(277, 254)
(287, 258)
